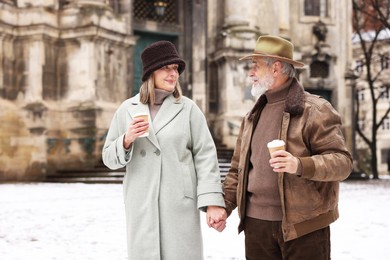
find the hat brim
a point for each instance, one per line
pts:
(180, 62)
(296, 64)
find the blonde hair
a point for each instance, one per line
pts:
(146, 91)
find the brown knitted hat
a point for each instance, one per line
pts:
(158, 55)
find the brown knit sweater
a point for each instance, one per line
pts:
(263, 195)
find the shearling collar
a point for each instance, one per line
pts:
(294, 104)
(295, 100)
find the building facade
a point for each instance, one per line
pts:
(380, 76)
(67, 65)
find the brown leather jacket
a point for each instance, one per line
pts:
(311, 129)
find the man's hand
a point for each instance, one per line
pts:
(216, 217)
(283, 161)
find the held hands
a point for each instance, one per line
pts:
(216, 217)
(136, 128)
(283, 161)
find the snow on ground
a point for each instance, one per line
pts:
(86, 221)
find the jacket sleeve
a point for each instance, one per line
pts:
(330, 160)
(209, 189)
(114, 154)
(231, 181)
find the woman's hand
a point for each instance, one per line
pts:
(216, 217)
(136, 128)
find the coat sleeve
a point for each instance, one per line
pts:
(114, 154)
(330, 160)
(209, 187)
(231, 181)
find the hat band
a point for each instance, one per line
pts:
(273, 55)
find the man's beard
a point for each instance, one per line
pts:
(262, 85)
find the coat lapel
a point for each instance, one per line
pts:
(136, 107)
(169, 109)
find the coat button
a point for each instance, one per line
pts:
(157, 152)
(143, 153)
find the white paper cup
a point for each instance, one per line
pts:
(145, 117)
(276, 145)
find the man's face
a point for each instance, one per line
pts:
(261, 77)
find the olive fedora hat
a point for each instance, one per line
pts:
(274, 47)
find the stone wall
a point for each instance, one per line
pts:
(22, 154)
(63, 70)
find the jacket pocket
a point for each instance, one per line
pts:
(303, 201)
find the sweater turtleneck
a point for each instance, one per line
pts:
(263, 194)
(159, 97)
(278, 94)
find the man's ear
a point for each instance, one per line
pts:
(276, 67)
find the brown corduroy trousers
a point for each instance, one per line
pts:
(264, 240)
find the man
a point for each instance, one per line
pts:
(286, 203)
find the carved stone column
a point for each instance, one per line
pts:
(236, 38)
(198, 60)
(95, 46)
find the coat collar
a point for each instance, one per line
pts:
(294, 104)
(169, 109)
(295, 100)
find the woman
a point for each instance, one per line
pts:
(172, 172)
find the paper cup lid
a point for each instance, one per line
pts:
(275, 143)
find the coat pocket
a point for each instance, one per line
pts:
(188, 184)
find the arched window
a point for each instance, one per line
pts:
(147, 10)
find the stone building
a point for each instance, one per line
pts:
(67, 65)
(380, 75)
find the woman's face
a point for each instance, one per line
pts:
(166, 77)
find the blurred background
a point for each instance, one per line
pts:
(66, 65)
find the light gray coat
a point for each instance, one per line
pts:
(169, 176)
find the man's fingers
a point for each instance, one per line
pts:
(220, 226)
